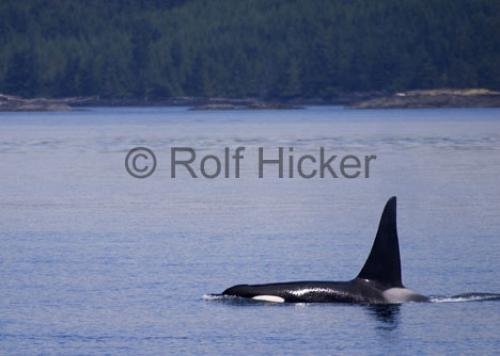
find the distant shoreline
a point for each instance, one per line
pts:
(433, 98)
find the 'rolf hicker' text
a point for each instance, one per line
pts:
(280, 162)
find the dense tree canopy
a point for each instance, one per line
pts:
(240, 48)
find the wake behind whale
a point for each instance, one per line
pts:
(466, 297)
(378, 282)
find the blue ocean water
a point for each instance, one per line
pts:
(93, 260)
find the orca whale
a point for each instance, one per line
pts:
(378, 282)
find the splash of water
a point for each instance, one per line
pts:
(459, 298)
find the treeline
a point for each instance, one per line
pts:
(245, 48)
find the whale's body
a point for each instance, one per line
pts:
(360, 291)
(379, 281)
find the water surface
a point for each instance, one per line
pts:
(95, 261)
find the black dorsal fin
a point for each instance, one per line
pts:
(383, 264)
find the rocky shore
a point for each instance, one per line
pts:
(435, 98)
(243, 104)
(16, 103)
